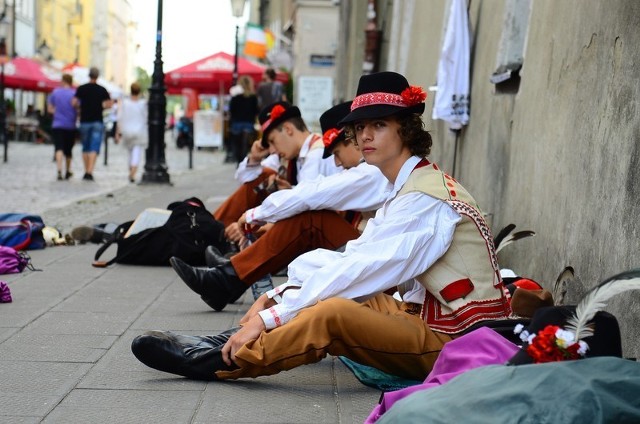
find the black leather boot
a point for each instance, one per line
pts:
(213, 257)
(196, 357)
(217, 286)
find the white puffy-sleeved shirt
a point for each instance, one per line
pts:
(408, 234)
(361, 188)
(246, 172)
(309, 163)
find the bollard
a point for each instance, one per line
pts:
(106, 147)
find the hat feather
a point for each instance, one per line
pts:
(514, 237)
(502, 234)
(595, 299)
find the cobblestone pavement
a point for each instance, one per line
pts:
(65, 339)
(28, 181)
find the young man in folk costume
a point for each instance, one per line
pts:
(304, 218)
(286, 136)
(429, 234)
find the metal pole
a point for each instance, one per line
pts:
(235, 60)
(155, 168)
(106, 148)
(3, 115)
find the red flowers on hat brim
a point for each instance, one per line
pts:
(413, 95)
(276, 112)
(329, 136)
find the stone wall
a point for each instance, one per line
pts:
(561, 155)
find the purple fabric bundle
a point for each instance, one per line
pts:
(472, 350)
(5, 293)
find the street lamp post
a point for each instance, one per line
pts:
(237, 8)
(3, 60)
(155, 168)
(45, 51)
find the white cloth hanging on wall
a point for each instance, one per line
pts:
(451, 102)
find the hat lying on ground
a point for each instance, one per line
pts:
(559, 333)
(605, 340)
(332, 133)
(273, 115)
(383, 94)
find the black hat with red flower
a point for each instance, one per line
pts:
(273, 115)
(384, 94)
(332, 133)
(544, 338)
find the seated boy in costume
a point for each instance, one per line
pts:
(284, 133)
(304, 218)
(429, 238)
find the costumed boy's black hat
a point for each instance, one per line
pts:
(383, 94)
(332, 133)
(273, 115)
(605, 341)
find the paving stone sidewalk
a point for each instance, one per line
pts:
(65, 339)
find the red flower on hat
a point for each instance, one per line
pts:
(276, 112)
(330, 135)
(553, 344)
(413, 95)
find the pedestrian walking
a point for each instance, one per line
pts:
(243, 112)
(132, 128)
(91, 98)
(269, 90)
(64, 126)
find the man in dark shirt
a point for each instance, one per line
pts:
(91, 99)
(270, 91)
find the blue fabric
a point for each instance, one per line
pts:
(239, 126)
(595, 390)
(21, 231)
(91, 134)
(65, 115)
(373, 377)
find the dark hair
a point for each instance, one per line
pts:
(135, 89)
(94, 73)
(297, 122)
(411, 131)
(270, 73)
(413, 134)
(67, 78)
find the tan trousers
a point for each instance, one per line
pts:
(242, 199)
(379, 333)
(290, 238)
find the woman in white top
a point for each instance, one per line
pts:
(132, 128)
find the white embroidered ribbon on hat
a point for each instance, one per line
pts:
(378, 98)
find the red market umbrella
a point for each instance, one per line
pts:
(213, 74)
(30, 75)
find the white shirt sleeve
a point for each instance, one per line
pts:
(246, 172)
(361, 188)
(407, 235)
(313, 166)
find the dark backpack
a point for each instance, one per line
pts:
(186, 234)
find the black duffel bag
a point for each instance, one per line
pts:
(186, 234)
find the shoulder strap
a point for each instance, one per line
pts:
(116, 234)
